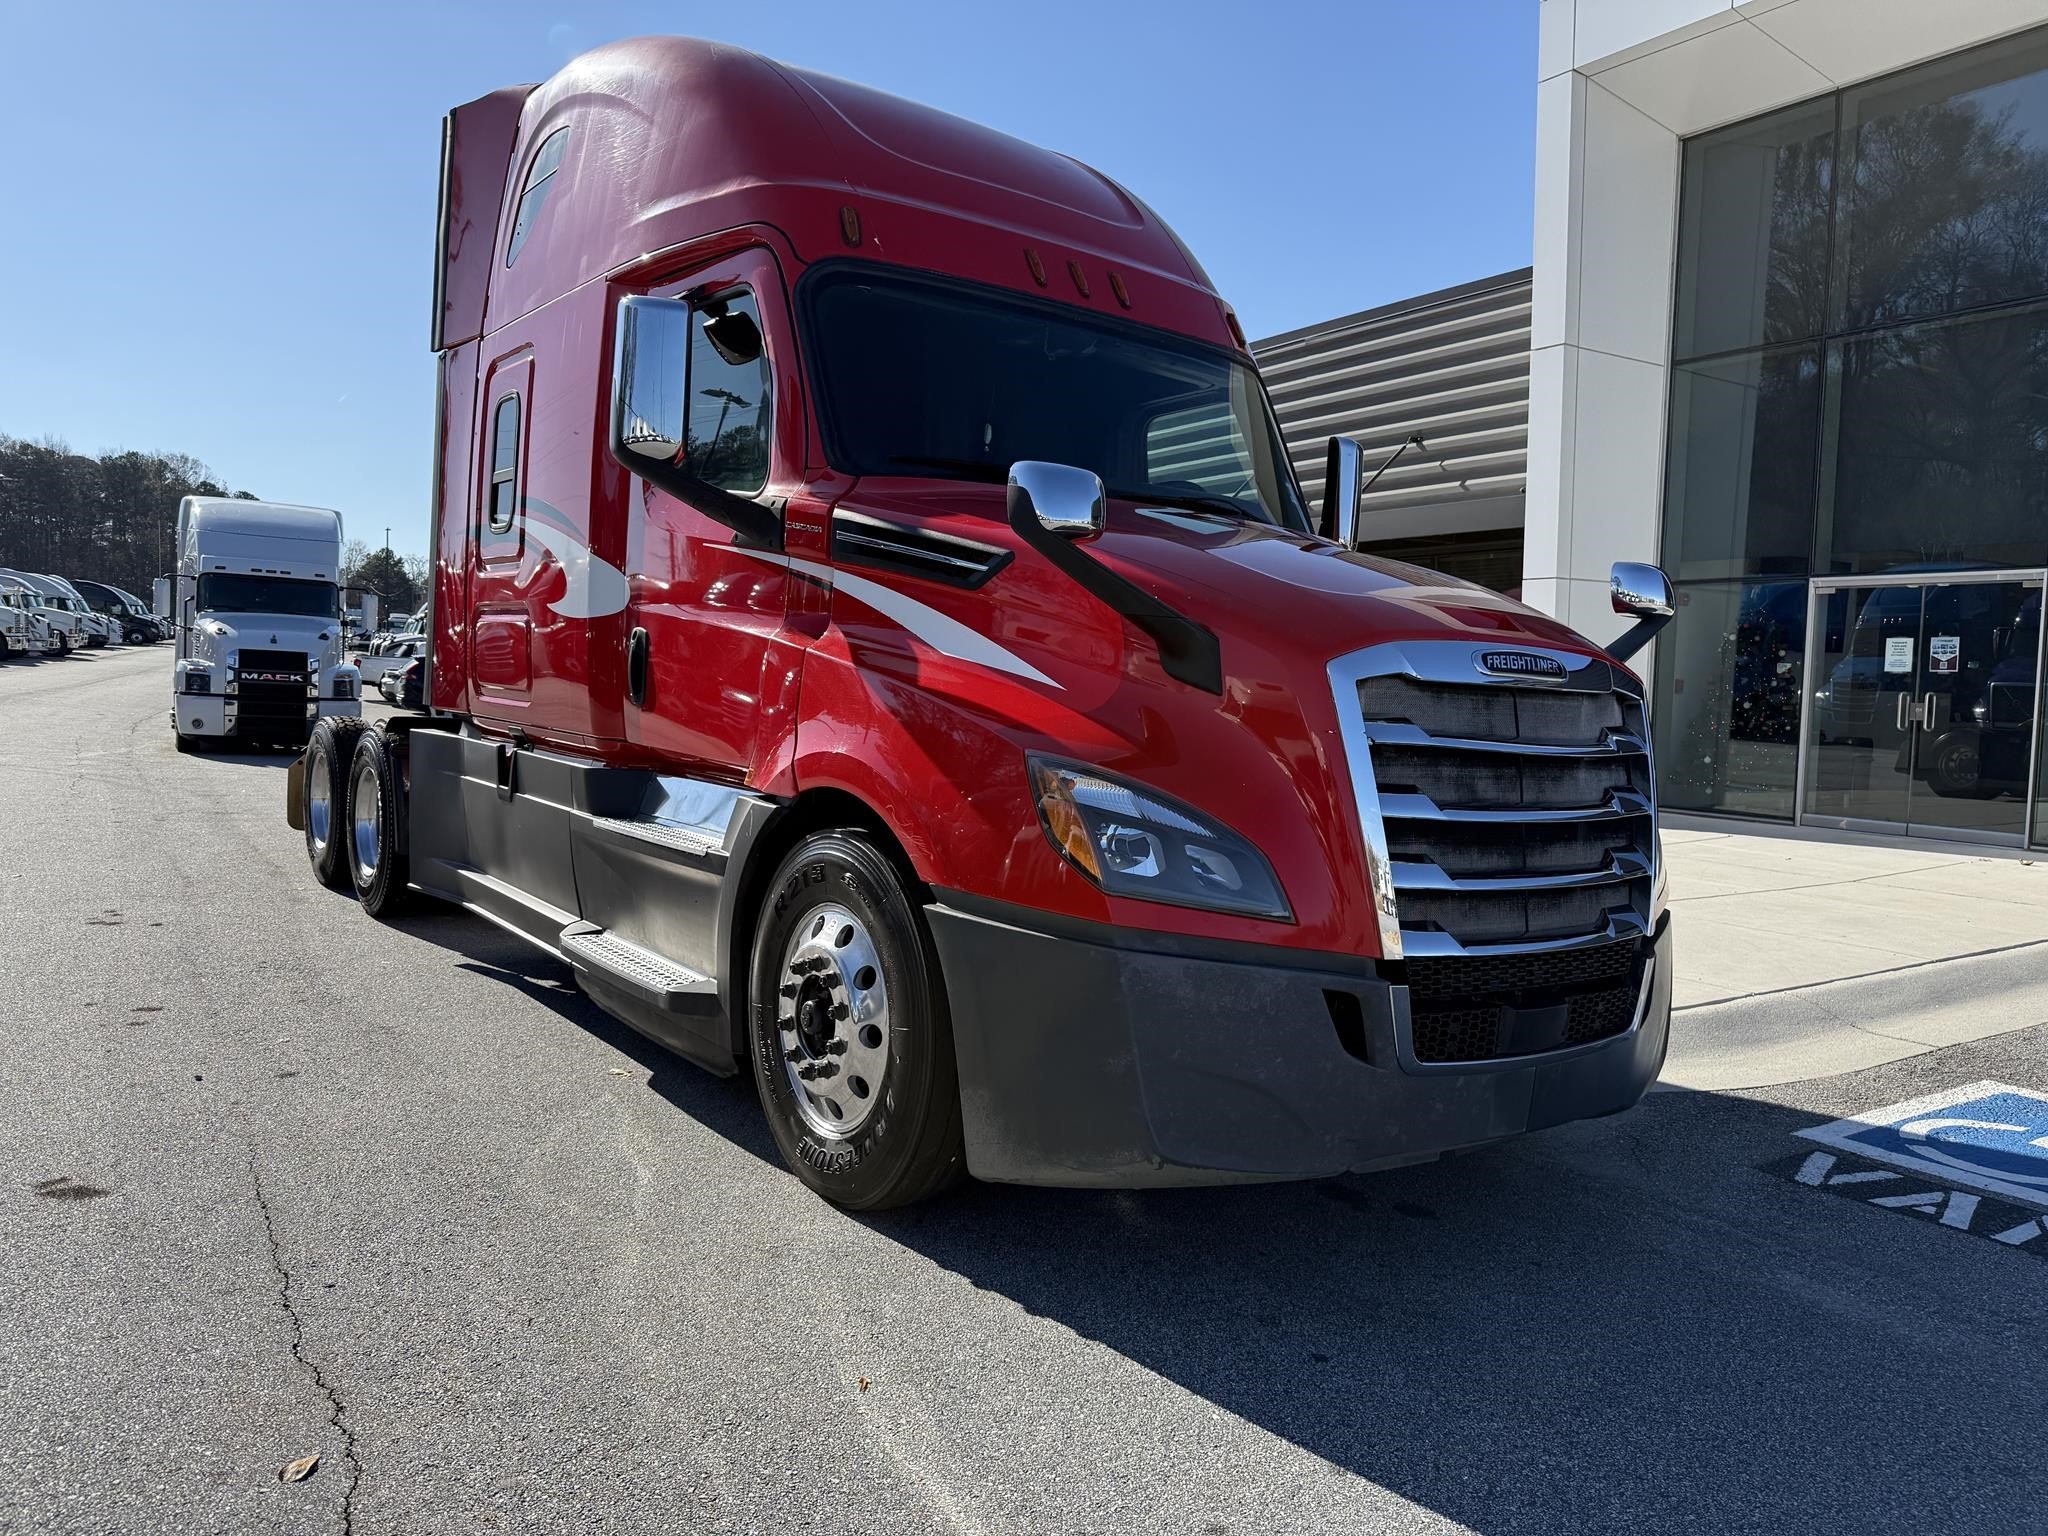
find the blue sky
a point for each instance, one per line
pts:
(219, 216)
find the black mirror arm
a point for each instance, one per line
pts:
(1188, 651)
(754, 523)
(1641, 634)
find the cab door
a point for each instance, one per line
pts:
(501, 621)
(712, 655)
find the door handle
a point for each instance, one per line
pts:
(1927, 710)
(636, 667)
(1900, 713)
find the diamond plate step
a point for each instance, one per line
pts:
(607, 958)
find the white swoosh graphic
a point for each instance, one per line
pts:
(594, 588)
(947, 636)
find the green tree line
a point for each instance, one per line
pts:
(114, 518)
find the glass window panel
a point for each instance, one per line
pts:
(1940, 446)
(539, 178)
(1729, 672)
(1945, 188)
(727, 433)
(1742, 466)
(1753, 232)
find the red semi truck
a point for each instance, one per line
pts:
(878, 642)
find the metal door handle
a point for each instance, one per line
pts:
(1901, 711)
(1927, 711)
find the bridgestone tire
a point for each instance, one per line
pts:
(910, 1146)
(378, 769)
(329, 755)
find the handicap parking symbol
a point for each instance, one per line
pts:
(1988, 1136)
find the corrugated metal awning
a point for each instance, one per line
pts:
(1451, 368)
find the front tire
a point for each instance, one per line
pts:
(849, 1031)
(329, 757)
(377, 862)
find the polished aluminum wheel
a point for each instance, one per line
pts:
(366, 823)
(319, 801)
(832, 1017)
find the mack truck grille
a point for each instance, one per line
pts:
(1512, 828)
(270, 692)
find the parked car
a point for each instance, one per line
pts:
(401, 684)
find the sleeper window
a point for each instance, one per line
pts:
(540, 177)
(505, 464)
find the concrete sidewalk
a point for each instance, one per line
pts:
(1805, 954)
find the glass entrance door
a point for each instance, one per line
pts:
(1921, 714)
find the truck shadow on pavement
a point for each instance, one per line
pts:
(1627, 1325)
(1637, 1324)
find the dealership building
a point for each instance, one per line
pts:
(1786, 335)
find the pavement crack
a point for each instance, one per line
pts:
(337, 1412)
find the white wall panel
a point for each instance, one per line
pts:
(1610, 30)
(1628, 218)
(1851, 40)
(1731, 73)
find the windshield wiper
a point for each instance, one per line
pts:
(972, 469)
(1223, 506)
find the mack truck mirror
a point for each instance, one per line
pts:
(650, 391)
(1645, 592)
(1343, 484)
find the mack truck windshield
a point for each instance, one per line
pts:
(878, 642)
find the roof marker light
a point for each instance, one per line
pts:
(1037, 267)
(1080, 278)
(1116, 286)
(849, 224)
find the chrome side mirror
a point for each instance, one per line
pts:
(160, 597)
(650, 378)
(1343, 484)
(1065, 500)
(1645, 592)
(1642, 590)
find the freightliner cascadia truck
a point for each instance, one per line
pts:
(257, 606)
(878, 642)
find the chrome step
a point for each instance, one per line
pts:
(682, 839)
(610, 960)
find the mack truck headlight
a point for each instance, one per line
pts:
(1133, 841)
(198, 676)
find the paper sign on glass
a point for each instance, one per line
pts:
(1898, 654)
(1942, 651)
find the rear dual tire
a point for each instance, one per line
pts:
(378, 867)
(330, 755)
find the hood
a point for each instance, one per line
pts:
(1233, 575)
(260, 631)
(1278, 581)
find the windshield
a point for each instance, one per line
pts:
(220, 592)
(931, 378)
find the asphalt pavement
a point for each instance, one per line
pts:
(280, 1180)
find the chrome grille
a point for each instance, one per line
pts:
(1511, 828)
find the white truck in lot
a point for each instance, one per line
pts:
(65, 630)
(256, 605)
(23, 631)
(99, 629)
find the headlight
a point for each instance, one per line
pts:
(198, 682)
(344, 687)
(1133, 841)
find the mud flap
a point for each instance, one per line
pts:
(295, 794)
